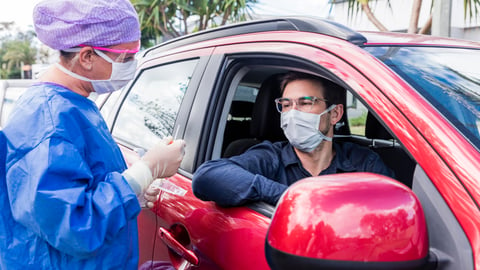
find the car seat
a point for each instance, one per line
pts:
(238, 122)
(265, 124)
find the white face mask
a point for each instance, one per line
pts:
(301, 129)
(122, 73)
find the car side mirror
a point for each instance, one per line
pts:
(348, 221)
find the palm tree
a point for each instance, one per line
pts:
(173, 18)
(471, 10)
(15, 52)
(18, 53)
(364, 5)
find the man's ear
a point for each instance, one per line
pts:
(336, 114)
(85, 58)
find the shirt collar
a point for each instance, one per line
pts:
(289, 157)
(340, 162)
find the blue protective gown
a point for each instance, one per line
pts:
(64, 203)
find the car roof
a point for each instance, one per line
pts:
(305, 24)
(313, 25)
(392, 38)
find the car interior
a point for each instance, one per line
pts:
(252, 121)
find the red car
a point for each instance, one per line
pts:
(413, 99)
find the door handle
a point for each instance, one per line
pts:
(176, 246)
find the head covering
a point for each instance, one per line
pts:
(63, 24)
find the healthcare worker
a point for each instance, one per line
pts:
(67, 199)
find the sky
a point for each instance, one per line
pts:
(20, 11)
(317, 8)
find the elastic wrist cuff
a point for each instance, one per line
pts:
(138, 177)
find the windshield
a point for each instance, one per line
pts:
(449, 78)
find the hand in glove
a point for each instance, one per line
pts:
(161, 161)
(165, 157)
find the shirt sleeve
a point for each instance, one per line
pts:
(240, 179)
(52, 192)
(376, 165)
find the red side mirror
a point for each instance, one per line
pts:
(348, 221)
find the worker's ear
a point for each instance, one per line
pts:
(336, 114)
(86, 56)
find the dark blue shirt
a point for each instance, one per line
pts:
(266, 170)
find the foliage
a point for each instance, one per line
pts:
(471, 10)
(173, 18)
(15, 51)
(359, 121)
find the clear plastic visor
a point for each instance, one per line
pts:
(117, 55)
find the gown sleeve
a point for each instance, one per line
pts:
(52, 192)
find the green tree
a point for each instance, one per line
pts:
(173, 18)
(470, 7)
(16, 51)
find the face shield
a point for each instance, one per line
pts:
(117, 55)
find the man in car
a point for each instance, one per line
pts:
(310, 107)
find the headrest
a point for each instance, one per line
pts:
(241, 108)
(375, 130)
(265, 117)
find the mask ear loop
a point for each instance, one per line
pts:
(330, 108)
(73, 61)
(325, 137)
(104, 56)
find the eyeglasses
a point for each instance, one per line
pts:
(304, 104)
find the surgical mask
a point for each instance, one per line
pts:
(301, 129)
(122, 73)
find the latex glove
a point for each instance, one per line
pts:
(165, 157)
(152, 192)
(162, 160)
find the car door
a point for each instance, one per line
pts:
(366, 80)
(411, 147)
(157, 105)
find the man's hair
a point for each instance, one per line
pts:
(332, 92)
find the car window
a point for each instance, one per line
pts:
(446, 77)
(246, 93)
(240, 115)
(150, 108)
(357, 115)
